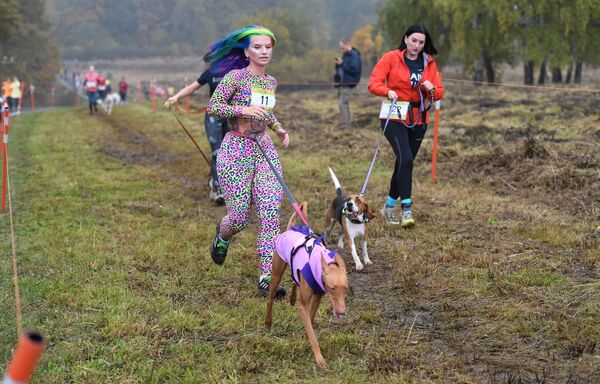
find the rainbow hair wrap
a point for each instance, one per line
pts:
(228, 53)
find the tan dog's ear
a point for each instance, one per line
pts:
(324, 264)
(339, 261)
(304, 209)
(292, 220)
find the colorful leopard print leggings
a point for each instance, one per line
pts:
(245, 177)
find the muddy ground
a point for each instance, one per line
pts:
(516, 169)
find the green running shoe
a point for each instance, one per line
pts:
(218, 248)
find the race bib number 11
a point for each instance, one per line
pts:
(263, 98)
(398, 112)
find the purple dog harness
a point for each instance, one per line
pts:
(302, 251)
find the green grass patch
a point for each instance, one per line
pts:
(530, 277)
(113, 225)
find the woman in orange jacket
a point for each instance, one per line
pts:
(408, 74)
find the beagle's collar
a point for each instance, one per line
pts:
(353, 218)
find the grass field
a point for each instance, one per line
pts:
(497, 283)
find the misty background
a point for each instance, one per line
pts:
(543, 41)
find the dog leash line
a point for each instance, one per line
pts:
(422, 109)
(282, 183)
(364, 188)
(191, 138)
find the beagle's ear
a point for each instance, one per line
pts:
(370, 214)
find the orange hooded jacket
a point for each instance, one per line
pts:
(392, 73)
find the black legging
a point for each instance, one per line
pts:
(215, 133)
(405, 143)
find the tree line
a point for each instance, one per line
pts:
(307, 31)
(555, 36)
(544, 36)
(99, 29)
(26, 48)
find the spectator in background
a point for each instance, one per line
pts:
(90, 84)
(108, 87)
(6, 91)
(15, 93)
(101, 87)
(215, 128)
(123, 89)
(77, 81)
(348, 70)
(170, 90)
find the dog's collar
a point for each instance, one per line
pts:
(353, 219)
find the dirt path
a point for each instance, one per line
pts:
(480, 285)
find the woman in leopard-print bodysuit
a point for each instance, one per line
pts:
(246, 97)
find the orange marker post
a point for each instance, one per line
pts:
(28, 353)
(436, 128)
(5, 123)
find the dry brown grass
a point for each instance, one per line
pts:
(497, 283)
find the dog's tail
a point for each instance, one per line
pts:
(336, 182)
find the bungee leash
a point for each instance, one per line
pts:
(281, 182)
(387, 120)
(191, 138)
(422, 109)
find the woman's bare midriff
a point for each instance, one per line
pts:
(245, 126)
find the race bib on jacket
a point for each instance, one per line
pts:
(398, 111)
(263, 98)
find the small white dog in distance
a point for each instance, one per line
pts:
(109, 102)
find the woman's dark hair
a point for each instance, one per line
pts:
(428, 48)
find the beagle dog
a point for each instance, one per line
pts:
(353, 213)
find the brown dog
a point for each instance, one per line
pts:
(316, 271)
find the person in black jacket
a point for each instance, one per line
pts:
(348, 69)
